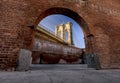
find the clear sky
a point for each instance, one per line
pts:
(56, 19)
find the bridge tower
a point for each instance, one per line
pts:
(64, 31)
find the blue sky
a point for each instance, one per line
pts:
(56, 19)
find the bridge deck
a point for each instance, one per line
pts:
(47, 35)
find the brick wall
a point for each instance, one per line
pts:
(102, 18)
(13, 33)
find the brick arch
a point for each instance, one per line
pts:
(88, 25)
(91, 26)
(67, 12)
(70, 13)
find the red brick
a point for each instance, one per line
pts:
(102, 18)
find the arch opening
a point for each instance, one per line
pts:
(68, 13)
(66, 35)
(64, 27)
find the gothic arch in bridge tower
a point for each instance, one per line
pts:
(65, 32)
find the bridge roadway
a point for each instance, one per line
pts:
(61, 74)
(43, 33)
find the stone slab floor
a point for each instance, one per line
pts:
(61, 75)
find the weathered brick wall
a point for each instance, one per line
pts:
(106, 27)
(52, 51)
(13, 32)
(102, 17)
(56, 48)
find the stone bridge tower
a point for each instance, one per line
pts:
(64, 31)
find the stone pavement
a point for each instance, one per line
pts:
(66, 75)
